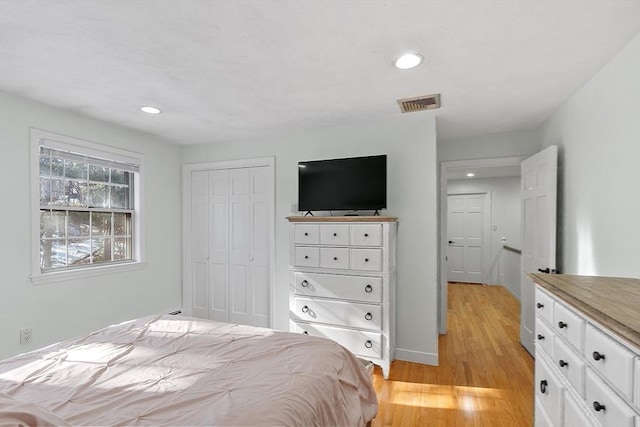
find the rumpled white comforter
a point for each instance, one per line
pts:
(172, 370)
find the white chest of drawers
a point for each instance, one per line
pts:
(342, 283)
(587, 353)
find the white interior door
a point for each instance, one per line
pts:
(230, 224)
(538, 193)
(465, 223)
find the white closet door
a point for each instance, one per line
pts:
(239, 250)
(260, 257)
(219, 244)
(199, 243)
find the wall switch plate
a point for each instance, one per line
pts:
(26, 335)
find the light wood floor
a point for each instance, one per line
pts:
(485, 377)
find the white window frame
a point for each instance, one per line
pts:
(95, 150)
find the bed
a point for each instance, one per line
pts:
(173, 370)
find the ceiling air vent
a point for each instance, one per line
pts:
(419, 103)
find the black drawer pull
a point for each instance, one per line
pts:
(335, 258)
(543, 386)
(304, 283)
(306, 332)
(366, 234)
(368, 316)
(599, 406)
(368, 289)
(366, 260)
(539, 305)
(306, 257)
(335, 234)
(306, 234)
(540, 337)
(562, 325)
(562, 363)
(305, 309)
(368, 344)
(597, 356)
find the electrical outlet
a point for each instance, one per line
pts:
(26, 335)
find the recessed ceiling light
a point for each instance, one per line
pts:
(470, 174)
(409, 60)
(151, 110)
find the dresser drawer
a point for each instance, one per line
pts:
(544, 306)
(605, 405)
(307, 234)
(540, 417)
(574, 415)
(306, 256)
(569, 325)
(339, 313)
(570, 364)
(360, 288)
(549, 392)
(366, 259)
(334, 234)
(544, 337)
(610, 359)
(362, 343)
(366, 234)
(334, 258)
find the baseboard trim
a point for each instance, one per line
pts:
(416, 356)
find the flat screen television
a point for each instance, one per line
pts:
(356, 183)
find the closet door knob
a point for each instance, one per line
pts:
(304, 283)
(543, 386)
(540, 337)
(305, 309)
(368, 316)
(368, 289)
(598, 406)
(597, 356)
(368, 344)
(539, 305)
(562, 363)
(562, 325)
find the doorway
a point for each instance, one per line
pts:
(457, 170)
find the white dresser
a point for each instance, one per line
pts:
(342, 282)
(587, 370)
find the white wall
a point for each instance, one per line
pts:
(507, 144)
(598, 134)
(58, 311)
(505, 216)
(410, 144)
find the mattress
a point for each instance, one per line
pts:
(172, 370)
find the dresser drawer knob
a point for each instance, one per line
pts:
(562, 325)
(540, 337)
(306, 332)
(306, 257)
(335, 258)
(366, 234)
(335, 234)
(597, 356)
(305, 309)
(366, 260)
(368, 289)
(306, 234)
(304, 283)
(562, 363)
(539, 305)
(543, 386)
(368, 316)
(599, 406)
(368, 344)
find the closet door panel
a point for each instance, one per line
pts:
(239, 226)
(261, 195)
(199, 243)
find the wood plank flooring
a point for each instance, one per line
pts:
(485, 377)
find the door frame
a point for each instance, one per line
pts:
(187, 169)
(486, 231)
(445, 168)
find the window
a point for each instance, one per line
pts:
(88, 205)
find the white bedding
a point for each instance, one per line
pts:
(172, 370)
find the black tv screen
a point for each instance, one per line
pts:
(357, 183)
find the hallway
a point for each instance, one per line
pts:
(485, 377)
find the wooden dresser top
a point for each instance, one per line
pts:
(614, 302)
(376, 218)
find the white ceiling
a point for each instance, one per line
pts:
(227, 70)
